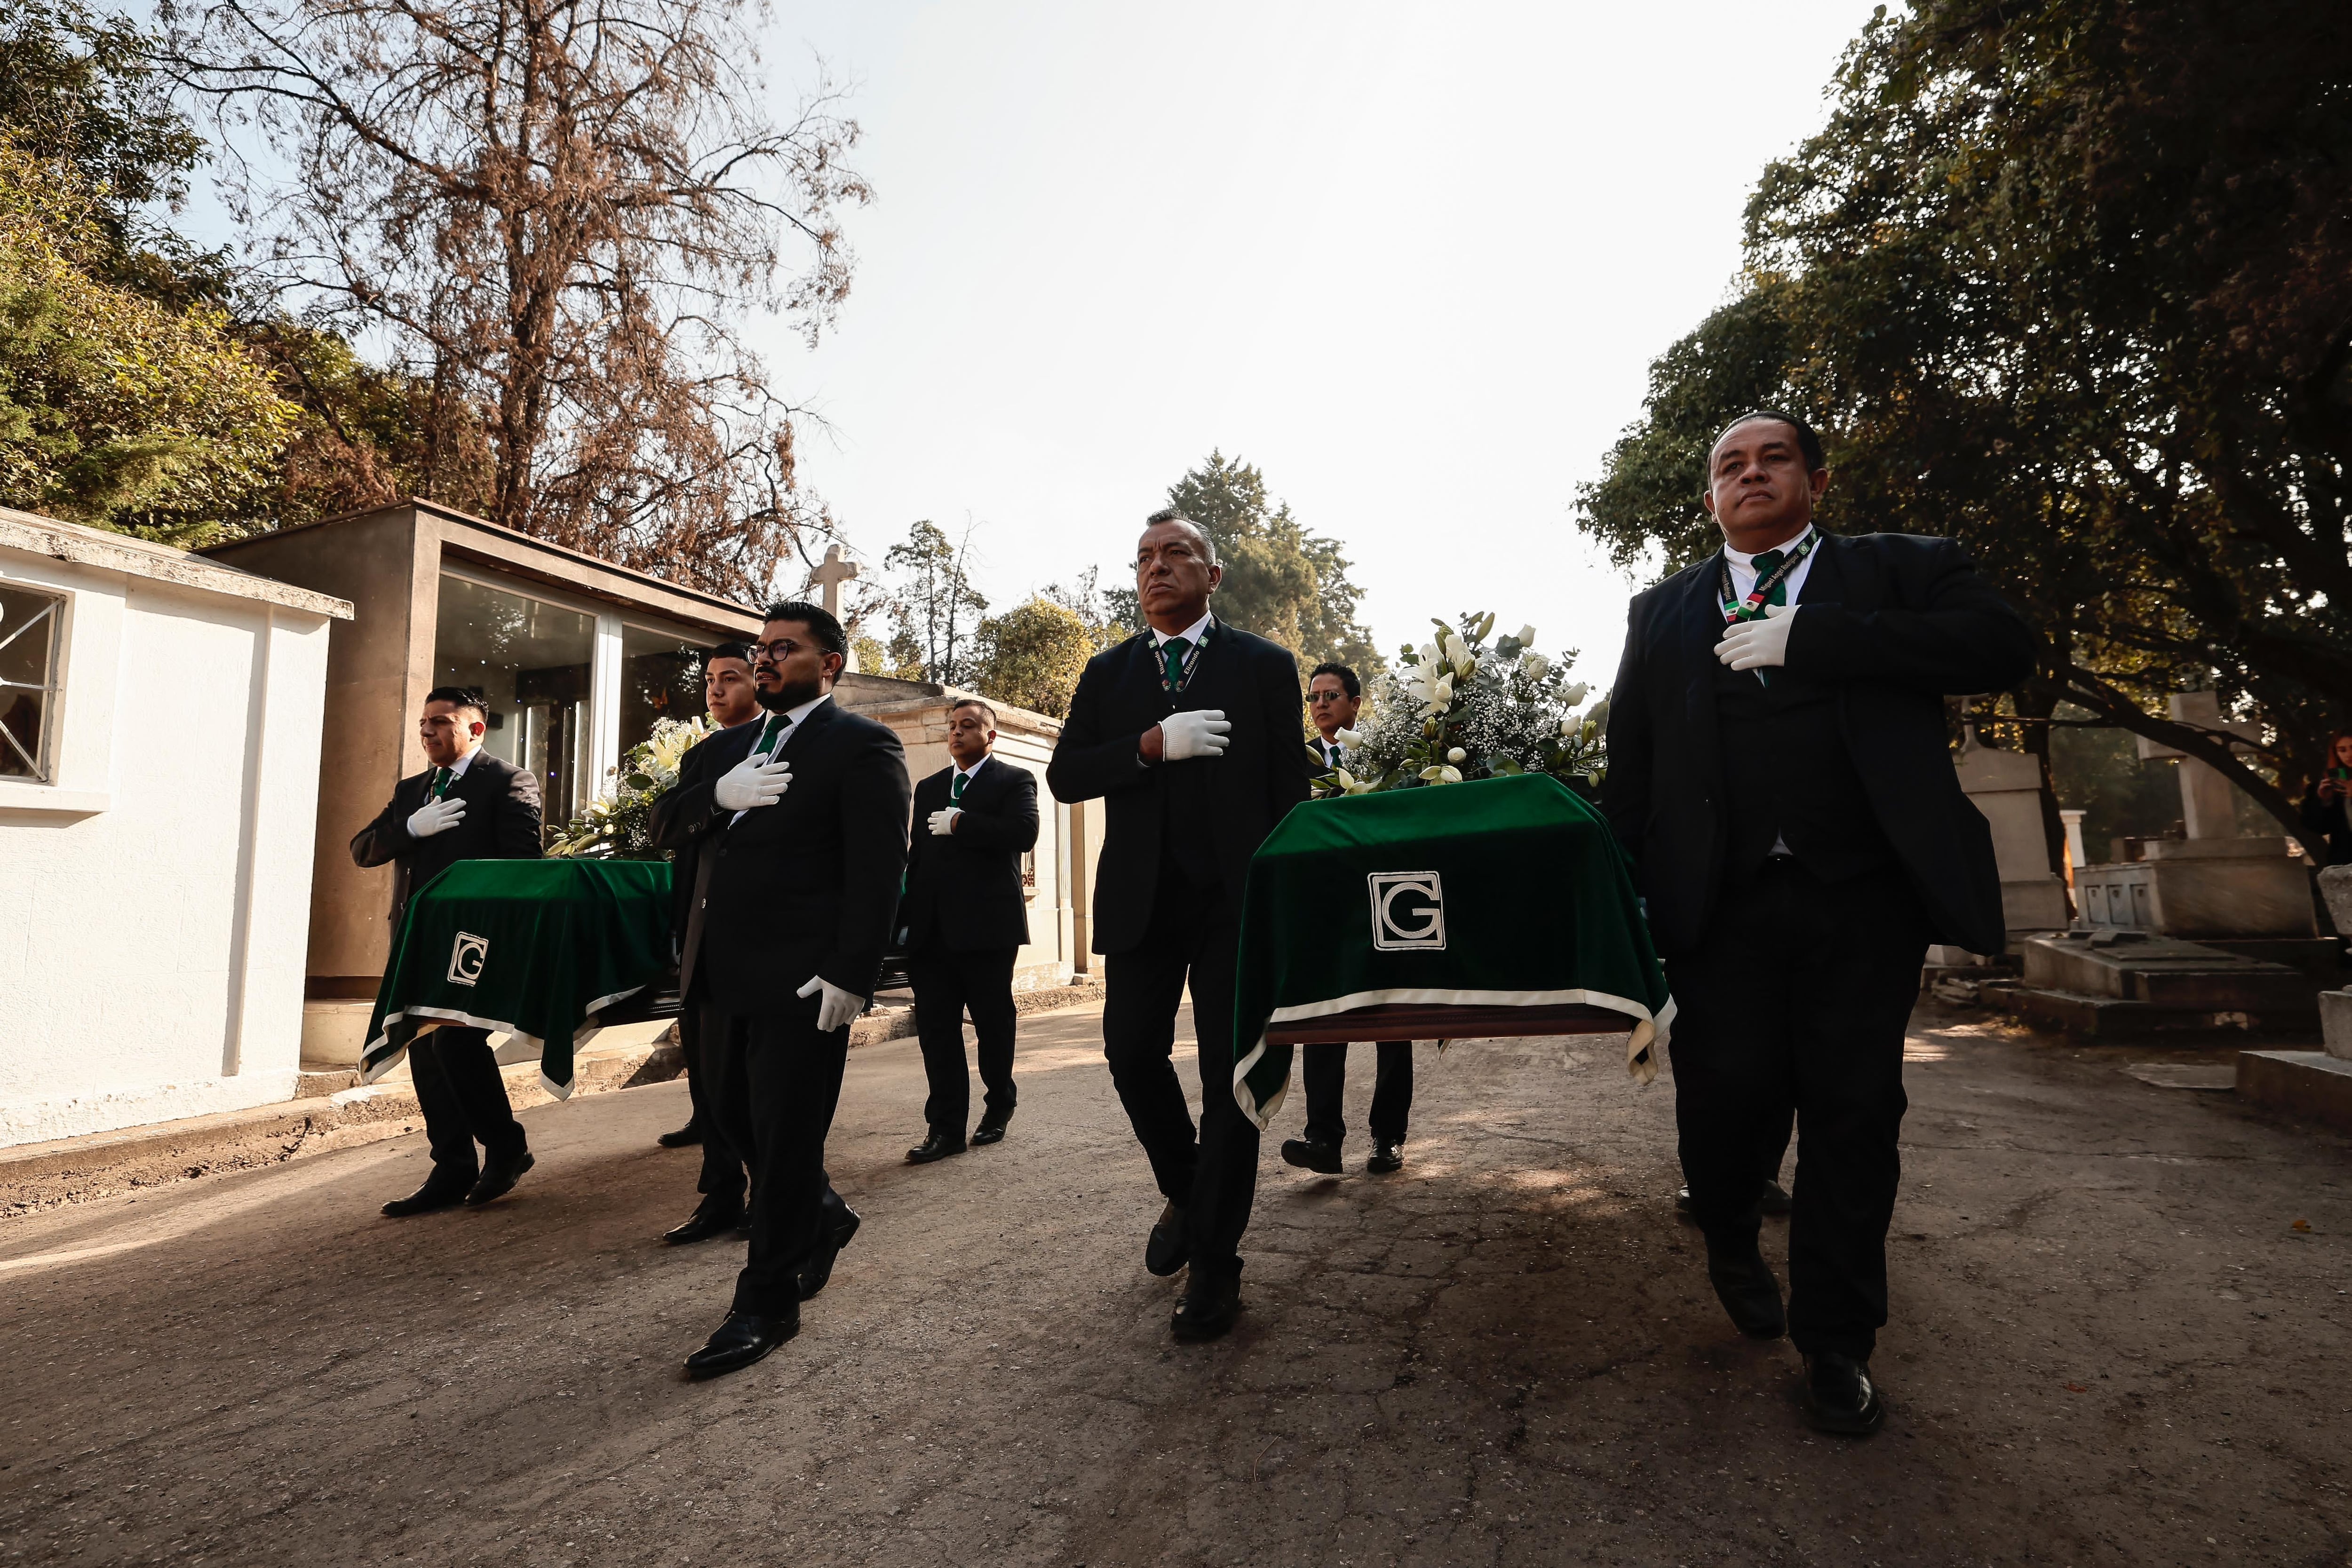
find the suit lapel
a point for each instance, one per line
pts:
(1700, 628)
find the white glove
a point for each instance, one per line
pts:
(1753, 644)
(839, 1006)
(943, 822)
(435, 817)
(752, 783)
(1201, 732)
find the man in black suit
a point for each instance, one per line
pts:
(1334, 695)
(1779, 774)
(466, 805)
(1188, 734)
(965, 919)
(733, 699)
(795, 897)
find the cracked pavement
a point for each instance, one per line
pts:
(2111, 1345)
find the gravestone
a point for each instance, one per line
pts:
(2210, 883)
(2006, 787)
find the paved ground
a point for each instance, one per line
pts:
(2113, 1344)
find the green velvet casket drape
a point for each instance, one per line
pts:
(534, 947)
(1497, 893)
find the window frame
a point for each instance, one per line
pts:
(43, 760)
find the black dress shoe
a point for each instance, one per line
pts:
(1840, 1396)
(498, 1177)
(1321, 1158)
(990, 1130)
(1164, 1253)
(1777, 1201)
(705, 1222)
(1208, 1309)
(434, 1193)
(1386, 1157)
(818, 1270)
(1743, 1282)
(935, 1145)
(686, 1137)
(741, 1339)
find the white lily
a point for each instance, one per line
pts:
(1442, 775)
(1351, 785)
(1575, 694)
(1348, 738)
(1526, 636)
(1457, 755)
(1536, 666)
(1428, 651)
(1567, 726)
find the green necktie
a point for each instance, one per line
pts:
(768, 742)
(1171, 654)
(955, 789)
(440, 785)
(1766, 565)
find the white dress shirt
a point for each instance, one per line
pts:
(1192, 635)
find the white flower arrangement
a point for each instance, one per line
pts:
(620, 826)
(1458, 709)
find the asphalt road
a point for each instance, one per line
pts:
(2111, 1345)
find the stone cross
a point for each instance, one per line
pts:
(831, 576)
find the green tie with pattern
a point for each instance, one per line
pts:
(955, 789)
(440, 785)
(1171, 655)
(1766, 564)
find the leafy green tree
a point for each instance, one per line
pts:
(1281, 582)
(1032, 655)
(934, 610)
(2070, 280)
(116, 410)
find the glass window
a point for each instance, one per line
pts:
(661, 678)
(532, 661)
(29, 641)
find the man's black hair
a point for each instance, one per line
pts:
(1172, 515)
(1808, 441)
(982, 704)
(459, 697)
(822, 626)
(1347, 681)
(728, 651)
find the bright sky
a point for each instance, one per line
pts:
(1413, 261)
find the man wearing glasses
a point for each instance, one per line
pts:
(1187, 732)
(804, 821)
(1334, 693)
(466, 805)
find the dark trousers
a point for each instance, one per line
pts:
(945, 984)
(778, 1085)
(1324, 1072)
(699, 1029)
(1195, 938)
(464, 1101)
(1797, 1001)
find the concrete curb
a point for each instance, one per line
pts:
(335, 1116)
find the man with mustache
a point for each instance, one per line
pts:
(1778, 772)
(1189, 733)
(806, 827)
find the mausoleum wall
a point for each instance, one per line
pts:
(155, 865)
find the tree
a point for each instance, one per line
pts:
(556, 213)
(115, 409)
(933, 606)
(2071, 280)
(1282, 582)
(1032, 655)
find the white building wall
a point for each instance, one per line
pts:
(154, 903)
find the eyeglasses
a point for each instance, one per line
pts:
(777, 652)
(1325, 696)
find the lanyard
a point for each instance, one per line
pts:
(1191, 660)
(1752, 607)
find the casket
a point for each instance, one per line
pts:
(1499, 907)
(540, 949)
